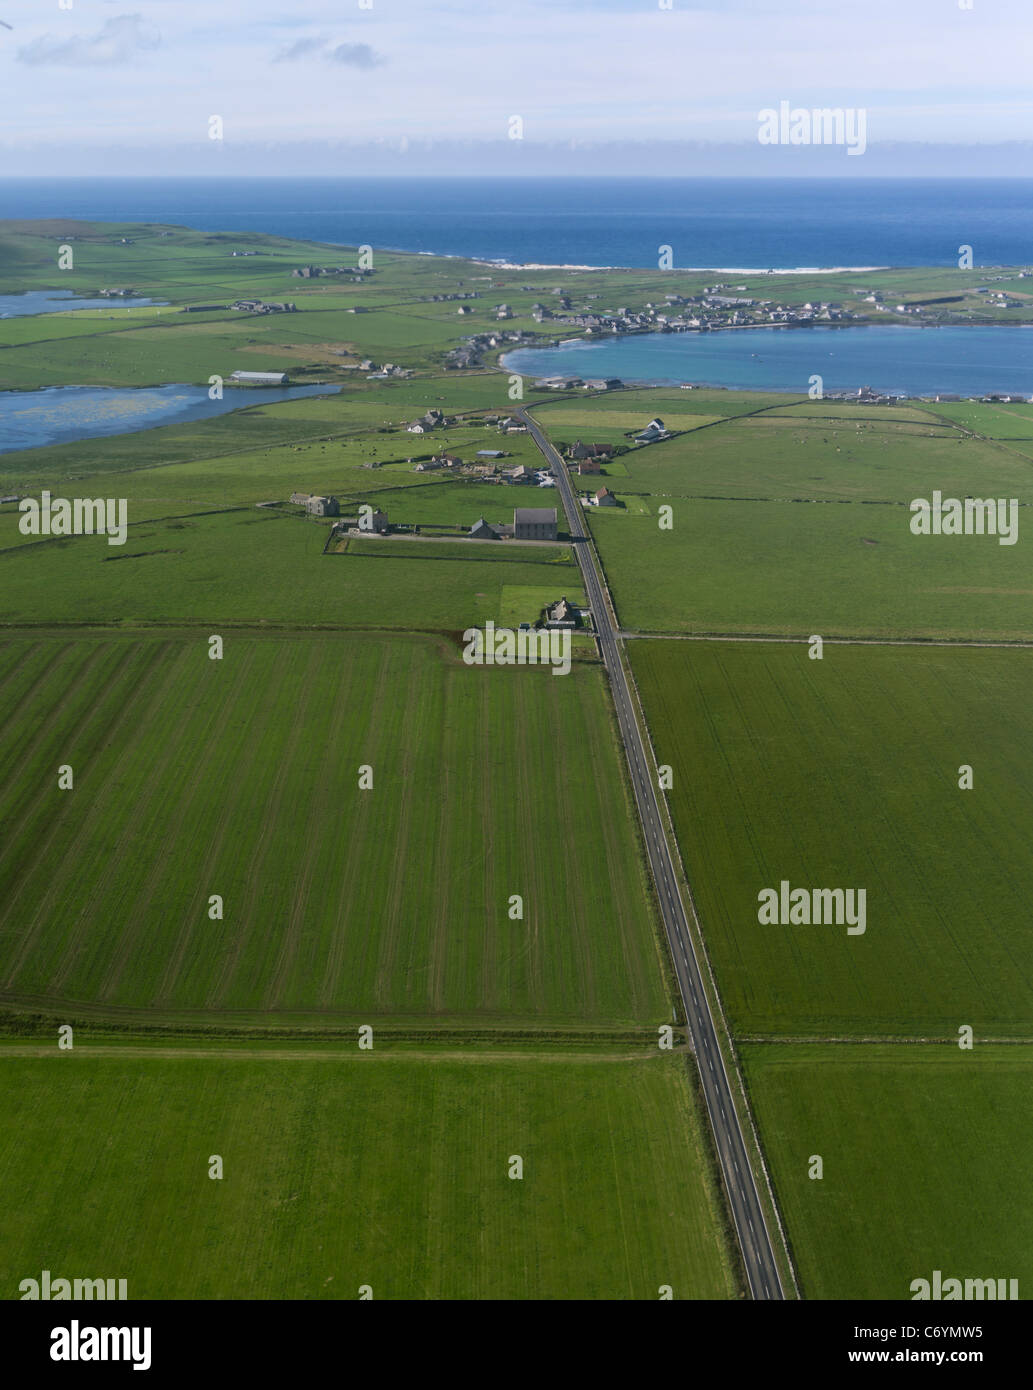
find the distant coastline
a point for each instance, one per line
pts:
(786, 226)
(685, 269)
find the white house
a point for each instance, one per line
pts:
(656, 429)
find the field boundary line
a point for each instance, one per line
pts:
(627, 635)
(21, 1051)
(874, 1040)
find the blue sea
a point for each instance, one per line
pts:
(734, 223)
(898, 359)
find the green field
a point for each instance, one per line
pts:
(246, 566)
(783, 455)
(792, 569)
(234, 1034)
(792, 519)
(926, 1163)
(556, 557)
(358, 1169)
(844, 773)
(240, 778)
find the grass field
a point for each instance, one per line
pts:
(246, 566)
(792, 569)
(240, 778)
(926, 1163)
(844, 773)
(389, 906)
(792, 519)
(556, 557)
(782, 455)
(358, 1169)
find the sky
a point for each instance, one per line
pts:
(132, 86)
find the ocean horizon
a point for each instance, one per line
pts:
(728, 224)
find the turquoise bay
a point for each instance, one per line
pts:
(894, 358)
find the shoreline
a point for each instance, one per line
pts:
(684, 270)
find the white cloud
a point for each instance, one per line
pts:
(117, 42)
(573, 69)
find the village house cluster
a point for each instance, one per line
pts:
(468, 354)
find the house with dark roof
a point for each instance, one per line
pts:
(534, 524)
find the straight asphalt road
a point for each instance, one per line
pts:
(740, 1183)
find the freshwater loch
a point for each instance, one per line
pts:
(16, 306)
(61, 414)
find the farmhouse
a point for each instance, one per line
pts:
(260, 378)
(656, 429)
(300, 498)
(483, 530)
(590, 451)
(429, 465)
(534, 524)
(561, 614)
(323, 506)
(604, 498)
(425, 423)
(589, 466)
(521, 474)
